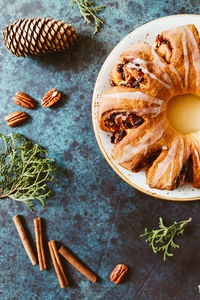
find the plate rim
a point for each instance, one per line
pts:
(112, 165)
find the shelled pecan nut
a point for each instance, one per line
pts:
(51, 97)
(24, 100)
(16, 118)
(118, 273)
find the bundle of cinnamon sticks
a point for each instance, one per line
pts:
(53, 252)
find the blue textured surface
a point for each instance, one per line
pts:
(92, 211)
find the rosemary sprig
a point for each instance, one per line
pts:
(163, 238)
(25, 170)
(88, 10)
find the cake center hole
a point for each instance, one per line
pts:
(183, 113)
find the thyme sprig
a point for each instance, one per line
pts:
(163, 238)
(25, 170)
(88, 11)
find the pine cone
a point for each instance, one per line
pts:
(37, 36)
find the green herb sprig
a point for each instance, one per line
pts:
(25, 170)
(163, 238)
(88, 11)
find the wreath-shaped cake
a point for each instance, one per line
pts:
(144, 79)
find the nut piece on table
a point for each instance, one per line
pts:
(24, 100)
(118, 273)
(51, 97)
(16, 118)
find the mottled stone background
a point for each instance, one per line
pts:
(92, 211)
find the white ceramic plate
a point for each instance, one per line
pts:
(145, 33)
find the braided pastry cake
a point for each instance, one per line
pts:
(144, 79)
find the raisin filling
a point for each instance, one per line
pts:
(189, 171)
(180, 179)
(186, 173)
(118, 123)
(131, 77)
(147, 161)
(163, 48)
(112, 83)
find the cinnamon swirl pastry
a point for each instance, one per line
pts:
(123, 109)
(179, 47)
(134, 110)
(140, 67)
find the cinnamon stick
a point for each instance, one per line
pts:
(77, 264)
(24, 239)
(39, 243)
(57, 264)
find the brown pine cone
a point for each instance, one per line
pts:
(37, 36)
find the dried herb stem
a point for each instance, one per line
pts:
(163, 238)
(88, 11)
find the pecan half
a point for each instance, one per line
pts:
(51, 97)
(118, 273)
(24, 100)
(16, 118)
